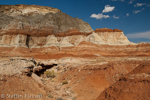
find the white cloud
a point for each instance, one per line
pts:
(139, 4)
(115, 17)
(137, 11)
(131, 1)
(99, 16)
(108, 8)
(139, 35)
(127, 14)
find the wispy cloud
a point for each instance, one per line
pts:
(139, 35)
(139, 4)
(131, 1)
(99, 16)
(108, 8)
(127, 14)
(137, 11)
(115, 17)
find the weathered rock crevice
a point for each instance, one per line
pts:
(41, 71)
(38, 70)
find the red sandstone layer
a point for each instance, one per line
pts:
(107, 30)
(45, 31)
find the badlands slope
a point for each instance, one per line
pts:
(87, 64)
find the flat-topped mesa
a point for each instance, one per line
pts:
(27, 10)
(108, 36)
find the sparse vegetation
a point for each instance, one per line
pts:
(59, 99)
(64, 82)
(42, 80)
(50, 74)
(50, 96)
(74, 98)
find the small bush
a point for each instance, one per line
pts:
(50, 74)
(64, 82)
(50, 96)
(42, 80)
(74, 98)
(59, 99)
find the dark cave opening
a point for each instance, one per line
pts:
(40, 71)
(44, 68)
(29, 41)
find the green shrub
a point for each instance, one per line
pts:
(50, 74)
(59, 99)
(64, 82)
(42, 80)
(50, 96)
(74, 98)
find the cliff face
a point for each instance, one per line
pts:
(38, 26)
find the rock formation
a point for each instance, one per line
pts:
(42, 22)
(130, 86)
(35, 26)
(109, 36)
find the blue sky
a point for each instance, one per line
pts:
(132, 16)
